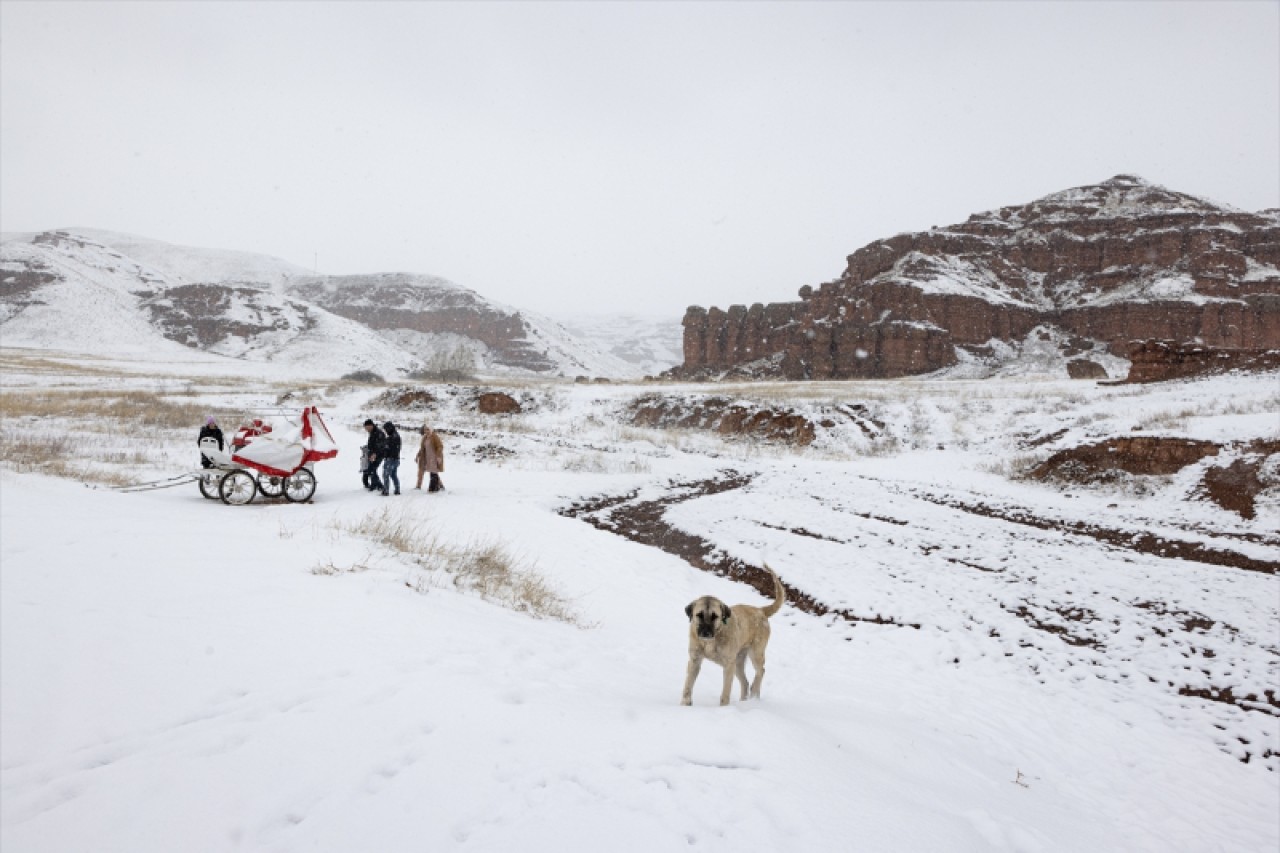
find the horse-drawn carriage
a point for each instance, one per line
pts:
(276, 460)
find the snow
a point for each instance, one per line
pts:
(175, 675)
(950, 275)
(190, 264)
(649, 345)
(117, 270)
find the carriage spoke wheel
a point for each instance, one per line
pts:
(300, 486)
(271, 487)
(209, 485)
(238, 488)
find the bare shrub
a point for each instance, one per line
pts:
(1167, 419)
(1015, 467)
(331, 568)
(363, 377)
(456, 365)
(485, 567)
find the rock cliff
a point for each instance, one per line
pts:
(1092, 268)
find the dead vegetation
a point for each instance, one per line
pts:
(485, 567)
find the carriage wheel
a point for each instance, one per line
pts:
(209, 486)
(300, 486)
(271, 487)
(238, 488)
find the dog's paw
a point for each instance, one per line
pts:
(686, 701)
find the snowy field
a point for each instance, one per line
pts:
(1008, 665)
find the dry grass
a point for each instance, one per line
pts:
(112, 437)
(331, 568)
(56, 455)
(484, 567)
(142, 409)
(1015, 467)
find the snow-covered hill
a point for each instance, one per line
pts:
(429, 315)
(649, 344)
(94, 291)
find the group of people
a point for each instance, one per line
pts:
(383, 451)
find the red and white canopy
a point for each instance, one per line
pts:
(285, 448)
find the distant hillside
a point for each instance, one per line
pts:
(650, 345)
(1079, 273)
(100, 291)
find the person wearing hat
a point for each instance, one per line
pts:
(209, 430)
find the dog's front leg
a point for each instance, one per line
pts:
(691, 675)
(729, 671)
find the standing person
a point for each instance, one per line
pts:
(209, 430)
(391, 458)
(430, 459)
(365, 465)
(377, 438)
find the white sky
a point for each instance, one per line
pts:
(600, 157)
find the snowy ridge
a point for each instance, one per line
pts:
(972, 258)
(255, 307)
(190, 264)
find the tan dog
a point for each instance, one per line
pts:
(727, 636)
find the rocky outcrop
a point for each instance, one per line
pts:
(1134, 455)
(724, 416)
(1157, 361)
(213, 317)
(1109, 263)
(1083, 368)
(429, 305)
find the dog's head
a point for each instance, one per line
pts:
(707, 615)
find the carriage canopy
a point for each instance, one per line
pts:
(282, 449)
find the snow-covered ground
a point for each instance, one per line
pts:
(176, 674)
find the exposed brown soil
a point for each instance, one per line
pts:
(644, 522)
(497, 403)
(492, 452)
(1140, 541)
(1236, 487)
(1071, 614)
(1134, 454)
(409, 398)
(722, 415)
(1267, 703)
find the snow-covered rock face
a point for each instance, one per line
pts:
(92, 291)
(1112, 262)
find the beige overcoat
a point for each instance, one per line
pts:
(430, 457)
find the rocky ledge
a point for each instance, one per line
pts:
(1099, 266)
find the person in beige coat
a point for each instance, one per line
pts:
(430, 459)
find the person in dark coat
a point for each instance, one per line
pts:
(209, 430)
(377, 442)
(390, 458)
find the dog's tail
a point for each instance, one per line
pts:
(779, 593)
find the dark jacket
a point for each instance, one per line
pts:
(392, 446)
(377, 443)
(207, 431)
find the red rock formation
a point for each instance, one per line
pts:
(1111, 263)
(1157, 361)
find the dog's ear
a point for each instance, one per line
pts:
(725, 613)
(688, 611)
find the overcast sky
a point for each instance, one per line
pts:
(601, 157)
